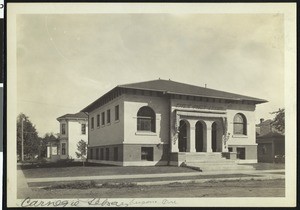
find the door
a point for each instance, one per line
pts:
(199, 137)
(182, 136)
(214, 137)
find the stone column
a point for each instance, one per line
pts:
(174, 133)
(191, 141)
(208, 141)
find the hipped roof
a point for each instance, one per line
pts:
(177, 88)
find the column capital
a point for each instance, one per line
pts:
(208, 123)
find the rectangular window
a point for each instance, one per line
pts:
(147, 153)
(103, 118)
(101, 154)
(144, 124)
(117, 112)
(238, 128)
(97, 153)
(241, 153)
(92, 123)
(115, 153)
(108, 116)
(91, 155)
(63, 148)
(230, 149)
(98, 120)
(107, 154)
(63, 129)
(83, 128)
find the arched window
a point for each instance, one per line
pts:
(240, 124)
(146, 119)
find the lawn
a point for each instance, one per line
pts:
(45, 184)
(265, 188)
(267, 166)
(98, 170)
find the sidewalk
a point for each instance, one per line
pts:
(23, 190)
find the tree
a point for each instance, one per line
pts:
(31, 140)
(279, 120)
(82, 148)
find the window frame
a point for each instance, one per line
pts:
(98, 120)
(92, 123)
(63, 129)
(238, 126)
(63, 148)
(117, 113)
(147, 154)
(108, 116)
(146, 120)
(103, 118)
(83, 129)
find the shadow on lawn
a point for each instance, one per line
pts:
(59, 164)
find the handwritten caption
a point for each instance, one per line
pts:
(94, 202)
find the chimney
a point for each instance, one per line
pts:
(261, 120)
(205, 85)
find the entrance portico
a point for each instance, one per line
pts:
(199, 132)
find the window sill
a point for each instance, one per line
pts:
(107, 124)
(145, 133)
(116, 121)
(239, 136)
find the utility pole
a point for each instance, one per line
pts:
(22, 141)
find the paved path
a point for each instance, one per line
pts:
(23, 189)
(263, 174)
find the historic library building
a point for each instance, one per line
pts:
(162, 122)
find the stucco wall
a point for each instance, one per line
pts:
(248, 139)
(111, 133)
(74, 131)
(160, 106)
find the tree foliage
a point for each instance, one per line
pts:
(31, 141)
(82, 150)
(279, 120)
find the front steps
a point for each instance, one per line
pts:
(211, 162)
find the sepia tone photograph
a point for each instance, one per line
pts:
(139, 105)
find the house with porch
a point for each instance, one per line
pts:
(73, 128)
(163, 122)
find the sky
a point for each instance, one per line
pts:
(66, 61)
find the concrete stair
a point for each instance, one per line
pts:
(212, 162)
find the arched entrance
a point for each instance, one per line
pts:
(182, 136)
(199, 136)
(214, 137)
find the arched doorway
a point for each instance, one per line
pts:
(214, 137)
(199, 137)
(182, 136)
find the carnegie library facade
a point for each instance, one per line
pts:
(162, 122)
